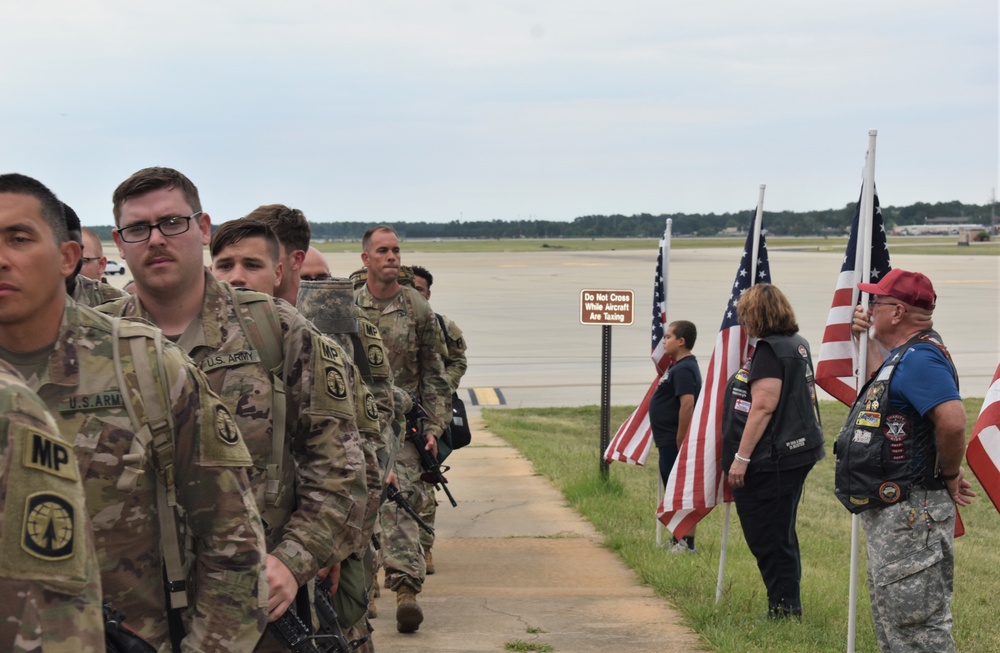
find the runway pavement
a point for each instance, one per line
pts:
(521, 312)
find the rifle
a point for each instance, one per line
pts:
(119, 638)
(432, 468)
(293, 634)
(394, 495)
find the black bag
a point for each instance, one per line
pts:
(460, 433)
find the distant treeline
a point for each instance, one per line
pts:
(783, 223)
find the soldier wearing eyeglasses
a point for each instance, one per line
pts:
(899, 464)
(309, 483)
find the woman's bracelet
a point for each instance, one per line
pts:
(741, 459)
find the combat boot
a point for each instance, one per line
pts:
(408, 613)
(429, 562)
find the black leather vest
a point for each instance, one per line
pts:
(794, 437)
(883, 451)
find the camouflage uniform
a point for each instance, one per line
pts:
(50, 586)
(415, 348)
(911, 572)
(227, 588)
(316, 517)
(455, 365)
(93, 293)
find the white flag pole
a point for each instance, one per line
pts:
(861, 274)
(667, 232)
(729, 506)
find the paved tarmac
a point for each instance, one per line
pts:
(514, 562)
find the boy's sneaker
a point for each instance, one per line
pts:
(681, 547)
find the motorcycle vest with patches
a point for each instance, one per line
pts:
(884, 451)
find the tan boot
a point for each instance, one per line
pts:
(372, 610)
(408, 613)
(429, 562)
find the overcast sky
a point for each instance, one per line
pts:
(402, 110)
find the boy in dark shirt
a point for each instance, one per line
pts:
(672, 405)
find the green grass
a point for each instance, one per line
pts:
(563, 444)
(922, 245)
(521, 645)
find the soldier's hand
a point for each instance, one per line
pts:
(333, 571)
(281, 588)
(390, 478)
(432, 444)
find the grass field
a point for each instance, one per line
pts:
(942, 246)
(563, 445)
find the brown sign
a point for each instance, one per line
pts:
(611, 307)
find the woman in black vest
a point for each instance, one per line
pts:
(771, 439)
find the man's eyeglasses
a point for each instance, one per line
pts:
(91, 259)
(174, 226)
(318, 277)
(883, 303)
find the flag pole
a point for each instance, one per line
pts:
(861, 274)
(667, 232)
(729, 506)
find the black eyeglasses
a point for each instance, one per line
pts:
(318, 277)
(91, 259)
(173, 226)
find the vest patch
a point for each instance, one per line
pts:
(96, 401)
(335, 383)
(742, 405)
(869, 418)
(862, 437)
(889, 492)
(329, 352)
(225, 426)
(231, 359)
(742, 375)
(49, 455)
(49, 526)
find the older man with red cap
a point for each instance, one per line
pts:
(899, 464)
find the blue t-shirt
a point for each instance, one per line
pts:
(682, 378)
(923, 379)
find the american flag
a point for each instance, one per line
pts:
(984, 448)
(836, 363)
(696, 483)
(632, 442)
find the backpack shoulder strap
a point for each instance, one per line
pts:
(258, 317)
(147, 405)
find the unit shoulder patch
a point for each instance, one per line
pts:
(48, 454)
(49, 526)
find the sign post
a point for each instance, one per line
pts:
(606, 308)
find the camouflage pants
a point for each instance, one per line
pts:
(911, 572)
(402, 554)
(426, 539)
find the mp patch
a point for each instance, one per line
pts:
(47, 454)
(328, 351)
(335, 383)
(371, 330)
(225, 426)
(49, 526)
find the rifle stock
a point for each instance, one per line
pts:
(394, 495)
(293, 634)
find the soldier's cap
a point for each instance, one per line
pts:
(911, 288)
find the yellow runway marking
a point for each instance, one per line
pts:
(486, 397)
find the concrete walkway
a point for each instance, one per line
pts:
(515, 563)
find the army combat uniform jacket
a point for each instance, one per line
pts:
(228, 595)
(455, 363)
(313, 514)
(93, 293)
(416, 349)
(50, 584)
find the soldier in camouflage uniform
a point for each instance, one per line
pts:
(310, 482)
(50, 584)
(415, 348)
(455, 365)
(85, 290)
(899, 464)
(67, 354)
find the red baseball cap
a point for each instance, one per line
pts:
(912, 288)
